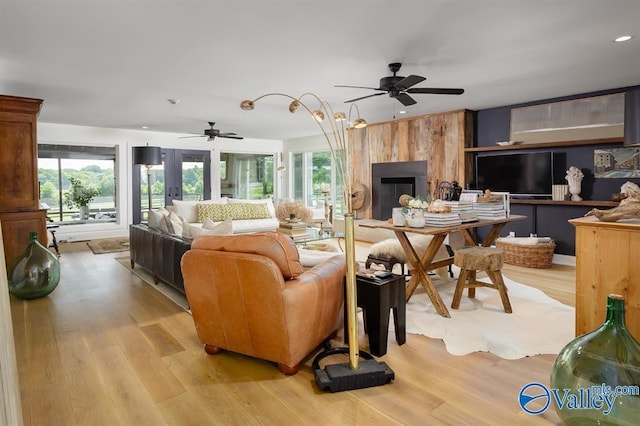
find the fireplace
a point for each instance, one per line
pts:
(390, 180)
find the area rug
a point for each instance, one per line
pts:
(171, 293)
(538, 324)
(109, 245)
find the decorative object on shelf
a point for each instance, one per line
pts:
(360, 197)
(35, 272)
(351, 376)
(629, 207)
(289, 211)
(80, 196)
(597, 364)
(559, 192)
(574, 178)
(147, 156)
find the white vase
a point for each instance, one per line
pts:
(415, 218)
(397, 216)
(83, 212)
(574, 188)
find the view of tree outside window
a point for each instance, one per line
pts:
(92, 167)
(247, 176)
(312, 171)
(157, 188)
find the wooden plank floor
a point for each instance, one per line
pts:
(105, 348)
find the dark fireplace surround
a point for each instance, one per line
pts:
(390, 180)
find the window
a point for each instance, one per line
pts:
(92, 166)
(183, 175)
(248, 176)
(313, 171)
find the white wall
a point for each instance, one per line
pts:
(125, 140)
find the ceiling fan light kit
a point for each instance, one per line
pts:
(399, 87)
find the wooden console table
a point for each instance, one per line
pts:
(424, 263)
(606, 263)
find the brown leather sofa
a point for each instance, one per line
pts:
(158, 253)
(250, 294)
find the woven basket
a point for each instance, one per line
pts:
(530, 256)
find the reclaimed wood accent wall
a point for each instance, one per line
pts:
(439, 139)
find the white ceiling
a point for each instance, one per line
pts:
(115, 63)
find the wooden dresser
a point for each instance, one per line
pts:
(20, 211)
(607, 262)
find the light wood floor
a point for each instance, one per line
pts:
(105, 348)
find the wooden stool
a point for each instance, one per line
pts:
(472, 259)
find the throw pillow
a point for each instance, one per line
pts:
(174, 224)
(156, 217)
(223, 228)
(164, 224)
(189, 210)
(220, 212)
(267, 201)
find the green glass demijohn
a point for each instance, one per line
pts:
(589, 370)
(35, 272)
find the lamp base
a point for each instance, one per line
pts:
(340, 377)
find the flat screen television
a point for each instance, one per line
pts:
(523, 175)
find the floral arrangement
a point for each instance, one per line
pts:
(418, 203)
(407, 201)
(79, 195)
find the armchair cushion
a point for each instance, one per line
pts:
(280, 248)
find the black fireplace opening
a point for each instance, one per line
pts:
(391, 180)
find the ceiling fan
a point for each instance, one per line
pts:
(214, 133)
(399, 87)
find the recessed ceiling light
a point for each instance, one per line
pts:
(402, 112)
(623, 38)
(145, 127)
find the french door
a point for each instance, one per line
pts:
(183, 175)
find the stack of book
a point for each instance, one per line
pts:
(490, 210)
(464, 209)
(296, 230)
(442, 219)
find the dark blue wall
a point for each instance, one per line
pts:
(492, 125)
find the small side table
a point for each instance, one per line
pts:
(376, 298)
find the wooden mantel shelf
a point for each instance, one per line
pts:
(583, 203)
(545, 145)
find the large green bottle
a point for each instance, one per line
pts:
(597, 363)
(35, 272)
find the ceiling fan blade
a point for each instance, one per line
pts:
(405, 99)
(436, 91)
(407, 82)
(361, 87)
(230, 136)
(185, 137)
(363, 97)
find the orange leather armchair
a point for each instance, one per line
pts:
(250, 294)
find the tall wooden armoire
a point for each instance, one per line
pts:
(20, 211)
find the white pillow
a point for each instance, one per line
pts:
(223, 228)
(267, 201)
(156, 217)
(174, 224)
(163, 226)
(189, 210)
